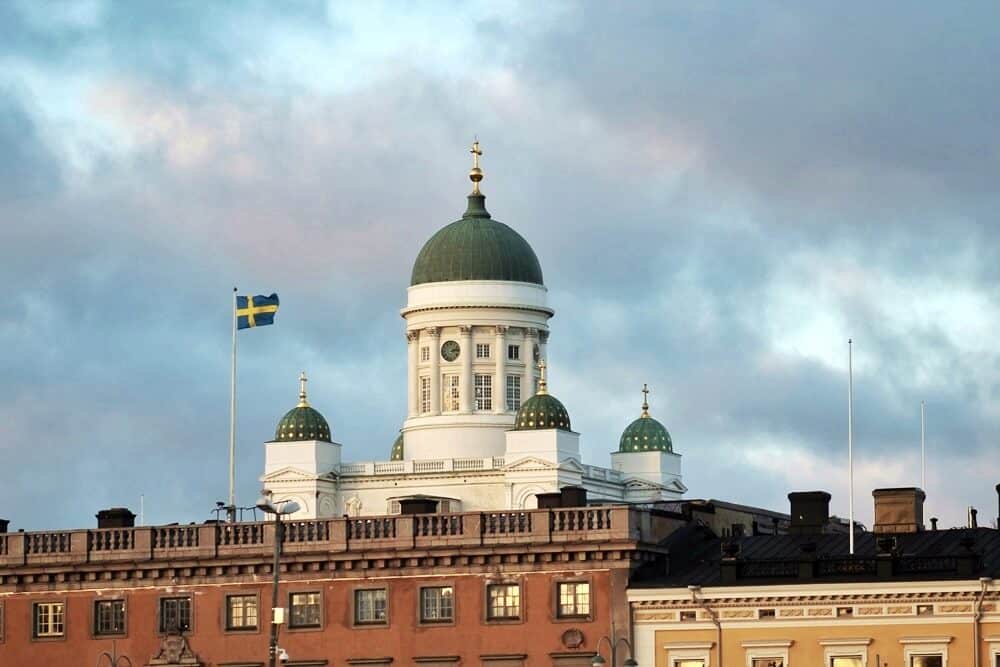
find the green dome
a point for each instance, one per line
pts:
(645, 434)
(541, 411)
(302, 423)
(476, 248)
(397, 449)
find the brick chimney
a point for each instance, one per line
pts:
(116, 517)
(899, 510)
(810, 512)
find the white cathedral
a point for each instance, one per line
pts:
(482, 431)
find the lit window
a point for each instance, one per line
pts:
(450, 394)
(513, 392)
(689, 616)
(768, 662)
(513, 352)
(425, 394)
(484, 392)
(925, 610)
(425, 353)
(482, 350)
(574, 599)
(305, 609)
(50, 619)
(175, 614)
(503, 601)
(926, 661)
(241, 612)
(436, 604)
(369, 606)
(846, 661)
(689, 663)
(109, 617)
(845, 611)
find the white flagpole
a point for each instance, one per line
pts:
(923, 452)
(231, 510)
(850, 439)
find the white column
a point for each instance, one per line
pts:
(412, 377)
(528, 381)
(500, 382)
(433, 339)
(466, 386)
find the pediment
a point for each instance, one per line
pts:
(289, 474)
(530, 463)
(639, 484)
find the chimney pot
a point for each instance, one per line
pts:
(973, 522)
(933, 523)
(4, 523)
(899, 510)
(810, 512)
(115, 517)
(549, 500)
(574, 496)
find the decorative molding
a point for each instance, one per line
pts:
(768, 643)
(846, 641)
(943, 639)
(465, 329)
(501, 330)
(433, 332)
(412, 336)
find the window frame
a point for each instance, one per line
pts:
(513, 352)
(356, 619)
(513, 404)
(559, 615)
(483, 351)
(422, 618)
(291, 614)
(678, 652)
(845, 648)
(767, 649)
(451, 392)
(424, 393)
(161, 629)
(425, 353)
(35, 636)
(227, 624)
(95, 617)
(488, 606)
(916, 647)
(483, 392)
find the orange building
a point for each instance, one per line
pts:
(907, 597)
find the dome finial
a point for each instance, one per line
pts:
(476, 174)
(645, 401)
(543, 384)
(303, 403)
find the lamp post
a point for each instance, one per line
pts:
(599, 661)
(113, 659)
(278, 509)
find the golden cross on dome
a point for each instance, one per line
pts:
(303, 403)
(476, 174)
(645, 400)
(543, 384)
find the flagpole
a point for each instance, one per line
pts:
(923, 452)
(231, 509)
(850, 440)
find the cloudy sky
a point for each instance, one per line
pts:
(720, 194)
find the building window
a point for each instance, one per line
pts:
(50, 619)
(369, 606)
(574, 599)
(425, 394)
(689, 663)
(305, 608)
(436, 604)
(926, 661)
(843, 612)
(482, 350)
(503, 602)
(925, 610)
(109, 617)
(765, 613)
(241, 612)
(425, 353)
(768, 662)
(484, 392)
(513, 352)
(846, 661)
(689, 616)
(175, 614)
(513, 392)
(450, 394)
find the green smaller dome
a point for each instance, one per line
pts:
(302, 422)
(397, 448)
(543, 410)
(645, 434)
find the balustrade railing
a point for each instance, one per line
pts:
(175, 537)
(47, 543)
(111, 539)
(240, 534)
(306, 531)
(581, 519)
(505, 523)
(432, 525)
(378, 528)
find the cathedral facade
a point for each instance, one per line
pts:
(482, 430)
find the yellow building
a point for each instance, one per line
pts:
(907, 597)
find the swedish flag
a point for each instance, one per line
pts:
(255, 311)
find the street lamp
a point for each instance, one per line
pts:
(599, 661)
(278, 508)
(112, 657)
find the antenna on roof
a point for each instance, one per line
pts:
(923, 452)
(850, 441)
(142, 509)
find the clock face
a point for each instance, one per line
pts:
(450, 350)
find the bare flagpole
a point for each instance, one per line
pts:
(231, 509)
(923, 452)
(850, 439)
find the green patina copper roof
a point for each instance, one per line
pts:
(476, 248)
(543, 410)
(397, 449)
(645, 434)
(302, 422)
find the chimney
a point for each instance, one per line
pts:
(810, 512)
(998, 505)
(973, 522)
(549, 500)
(574, 496)
(3, 525)
(933, 523)
(116, 517)
(899, 510)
